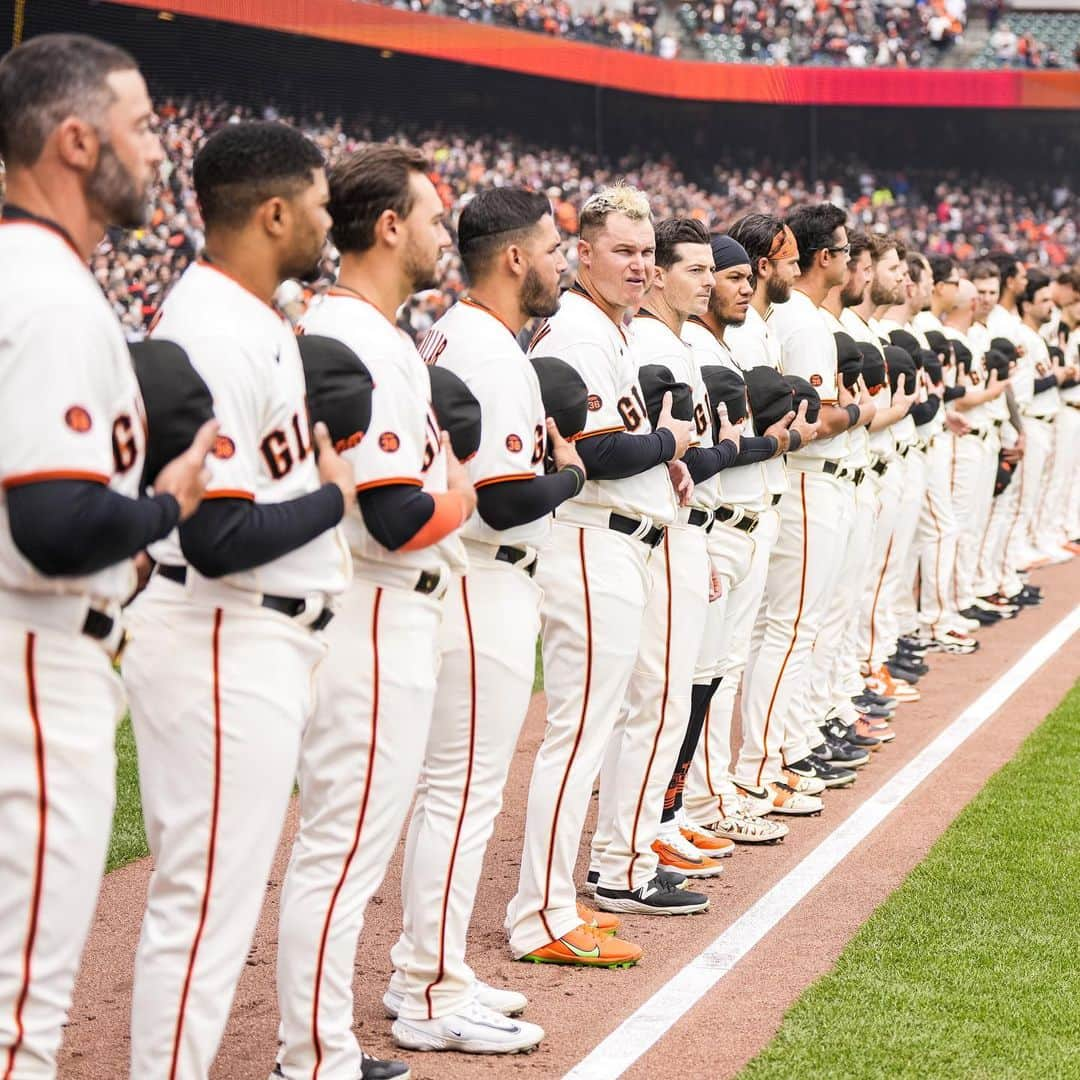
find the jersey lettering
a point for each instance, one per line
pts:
(123, 444)
(279, 455)
(631, 409)
(538, 444)
(432, 347)
(431, 444)
(701, 421)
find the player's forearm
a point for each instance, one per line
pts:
(226, 536)
(833, 420)
(956, 396)
(754, 449)
(517, 502)
(1044, 384)
(925, 411)
(1014, 410)
(68, 528)
(706, 461)
(618, 454)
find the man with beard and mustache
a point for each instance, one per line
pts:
(363, 747)
(512, 254)
(80, 152)
(225, 642)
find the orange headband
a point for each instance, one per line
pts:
(784, 245)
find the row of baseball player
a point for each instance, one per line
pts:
(710, 461)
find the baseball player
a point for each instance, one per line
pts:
(364, 745)
(76, 141)
(513, 256)
(814, 513)
(225, 638)
(744, 522)
(596, 582)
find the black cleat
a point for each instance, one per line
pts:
(655, 897)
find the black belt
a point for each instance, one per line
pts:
(747, 523)
(776, 499)
(285, 605)
(98, 625)
(1073, 404)
(629, 527)
(698, 517)
(879, 467)
(514, 555)
(831, 467)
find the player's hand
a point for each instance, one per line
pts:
(729, 430)
(185, 477)
(562, 450)
(844, 395)
(780, 431)
(681, 481)
(995, 385)
(682, 429)
(457, 476)
(333, 468)
(807, 432)
(956, 423)
(902, 399)
(1063, 374)
(716, 585)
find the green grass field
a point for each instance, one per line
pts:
(969, 971)
(128, 835)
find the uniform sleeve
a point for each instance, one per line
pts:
(395, 446)
(59, 400)
(240, 451)
(612, 406)
(511, 440)
(807, 353)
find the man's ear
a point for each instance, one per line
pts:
(273, 215)
(388, 228)
(515, 260)
(77, 144)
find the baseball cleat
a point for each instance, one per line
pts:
(371, 1068)
(867, 729)
(1005, 608)
(598, 920)
(804, 785)
(841, 754)
(506, 1002)
(909, 671)
(833, 774)
(983, 618)
(780, 798)
(715, 847)
(744, 829)
(585, 946)
(673, 852)
(838, 730)
(654, 897)
(749, 807)
(952, 641)
(471, 1030)
(592, 878)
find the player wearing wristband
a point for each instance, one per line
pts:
(364, 747)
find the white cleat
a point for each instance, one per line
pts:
(473, 1029)
(506, 1002)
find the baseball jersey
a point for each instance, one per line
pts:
(978, 416)
(402, 443)
(658, 344)
(883, 442)
(478, 347)
(1036, 362)
(979, 336)
(246, 354)
(1071, 394)
(72, 404)
(605, 355)
(858, 455)
(904, 433)
(807, 349)
(923, 321)
(745, 485)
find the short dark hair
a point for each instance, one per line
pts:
(985, 269)
(880, 244)
(48, 79)
(242, 165)
(364, 185)
(813, 227)
(1036, 280)
(941, 266)
(859, 242)
(756, 233)
(493, 220)
(674, 231)
(1006, 265)
(1069, 279)
(916, 266)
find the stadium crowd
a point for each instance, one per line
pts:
(957, 217)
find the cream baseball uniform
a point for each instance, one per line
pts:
(1040, 425)
(815, 514)
(596, 582)
(69, 394)
(363, 748)
(221, 685)
(488, 650)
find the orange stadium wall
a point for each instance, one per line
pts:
(375, 26)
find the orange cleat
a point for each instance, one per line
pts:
(603, 921)
(675, 853)
(713, 847)
(586, 946)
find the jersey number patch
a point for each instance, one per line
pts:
(123, 444)
(632, 409)
(281, 450)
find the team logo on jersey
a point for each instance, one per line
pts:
(224, 447)
(815, 380)
(389, 442)
(594, 403)
(514, 444)
(78, 419)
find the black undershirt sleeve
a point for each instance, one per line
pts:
(706, 461)
(618, 454)
(926, 410)
(755, 449)
(225, 536)
(954, 392)
(396, 513)
(69, 528)
(1045, 383)
(517, 502)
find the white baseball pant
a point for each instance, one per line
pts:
(1041, 532)
(360, 761)
(596, 584)
(219, 700)
(972, 472)
(936, 540)
(900, 614)
(1067, 428)
(488, 652)
(995, 573)
(872, 645)
(1020, 547)
(644, 747)
(60, 702)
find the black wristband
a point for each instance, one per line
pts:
(795, 441)
(854, 415)
(578, 474)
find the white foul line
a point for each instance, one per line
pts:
(643, 1028)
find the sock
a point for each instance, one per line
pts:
(700, 697)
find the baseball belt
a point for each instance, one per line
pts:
(284, 605)
(738, 517)
(631, 526)
(525, 559)
(701, 519)
(67, 614)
